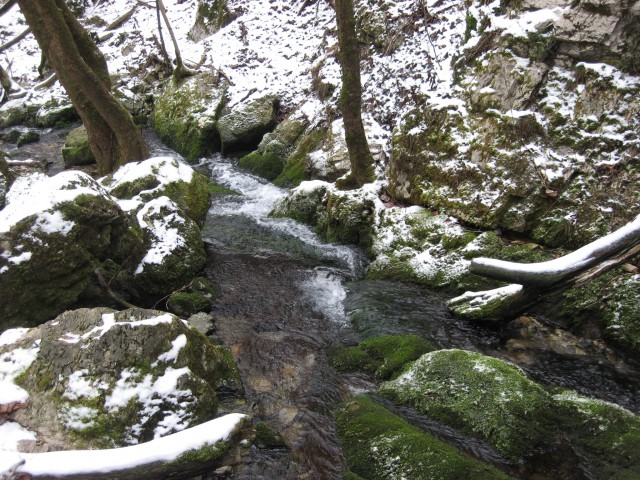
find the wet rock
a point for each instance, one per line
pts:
(104, 379)
(30, 136)
(379, 444)
(186, 304)
(212, 15)
(76, 149)
(16, 112)
(244, 127)
(186, 115)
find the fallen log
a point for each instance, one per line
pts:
(180, 455)
(17, 39)
(532, 282)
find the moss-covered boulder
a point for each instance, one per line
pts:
(482, 396)
(304, 203)
(384, 356)
(186, 304)
(244, 127)
(604, 434)
(268, 161)
(211, 16)
(55, 232)
(102, 378)
(76, 149)
(174, 250)
(380, 445)
(186, 115)
(162, 176)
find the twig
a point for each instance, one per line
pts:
(120, 20)
(7, 6)
(111, 293)
(46, 83)
(15, 40)
(167, 297)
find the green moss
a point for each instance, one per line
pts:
(294, 170)
(217, 190)
(205, 454)
(606, 435)
(384, 356)
(471, 23)
(186, 304)
(482, 396)
(267, 165)
(622, 313)
(267, 438)
(381, 445)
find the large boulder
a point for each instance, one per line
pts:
(244, 127)
(63, 236)
(76, 149)
(54, 233)
(99, 378)
(380, 445)
(482, 396)
(186, 115)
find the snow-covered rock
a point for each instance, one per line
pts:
(100, 378)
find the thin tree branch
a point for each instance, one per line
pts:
(15, 40)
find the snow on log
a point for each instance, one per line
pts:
(195, 446)
(545, 274)
(534, 281)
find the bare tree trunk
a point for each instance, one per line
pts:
(180, 71)
(351, 95)
(113, 137)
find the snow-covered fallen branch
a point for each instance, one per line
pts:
(531, 282)
(153, 459)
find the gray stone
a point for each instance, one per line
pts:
(76, 149)
(244, 126)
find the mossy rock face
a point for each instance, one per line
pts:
(267, 438)
(347, 219)
(174, 254)
(622, 314)
(50, 255)
(380, 445)
(304, 204)
(481, 395)
(268, 161)
(212, 15)
(244, 127)
(186, 116)
(296, 166)
(104, 379)
(17, 112)
(76, 149)
(606, 435)
(383, 356)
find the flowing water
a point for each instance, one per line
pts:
(287, 297)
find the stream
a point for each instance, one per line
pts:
(287, 297)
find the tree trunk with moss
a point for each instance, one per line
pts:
(82, 70)
(351, 95)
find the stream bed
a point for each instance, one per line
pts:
(287, 298)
